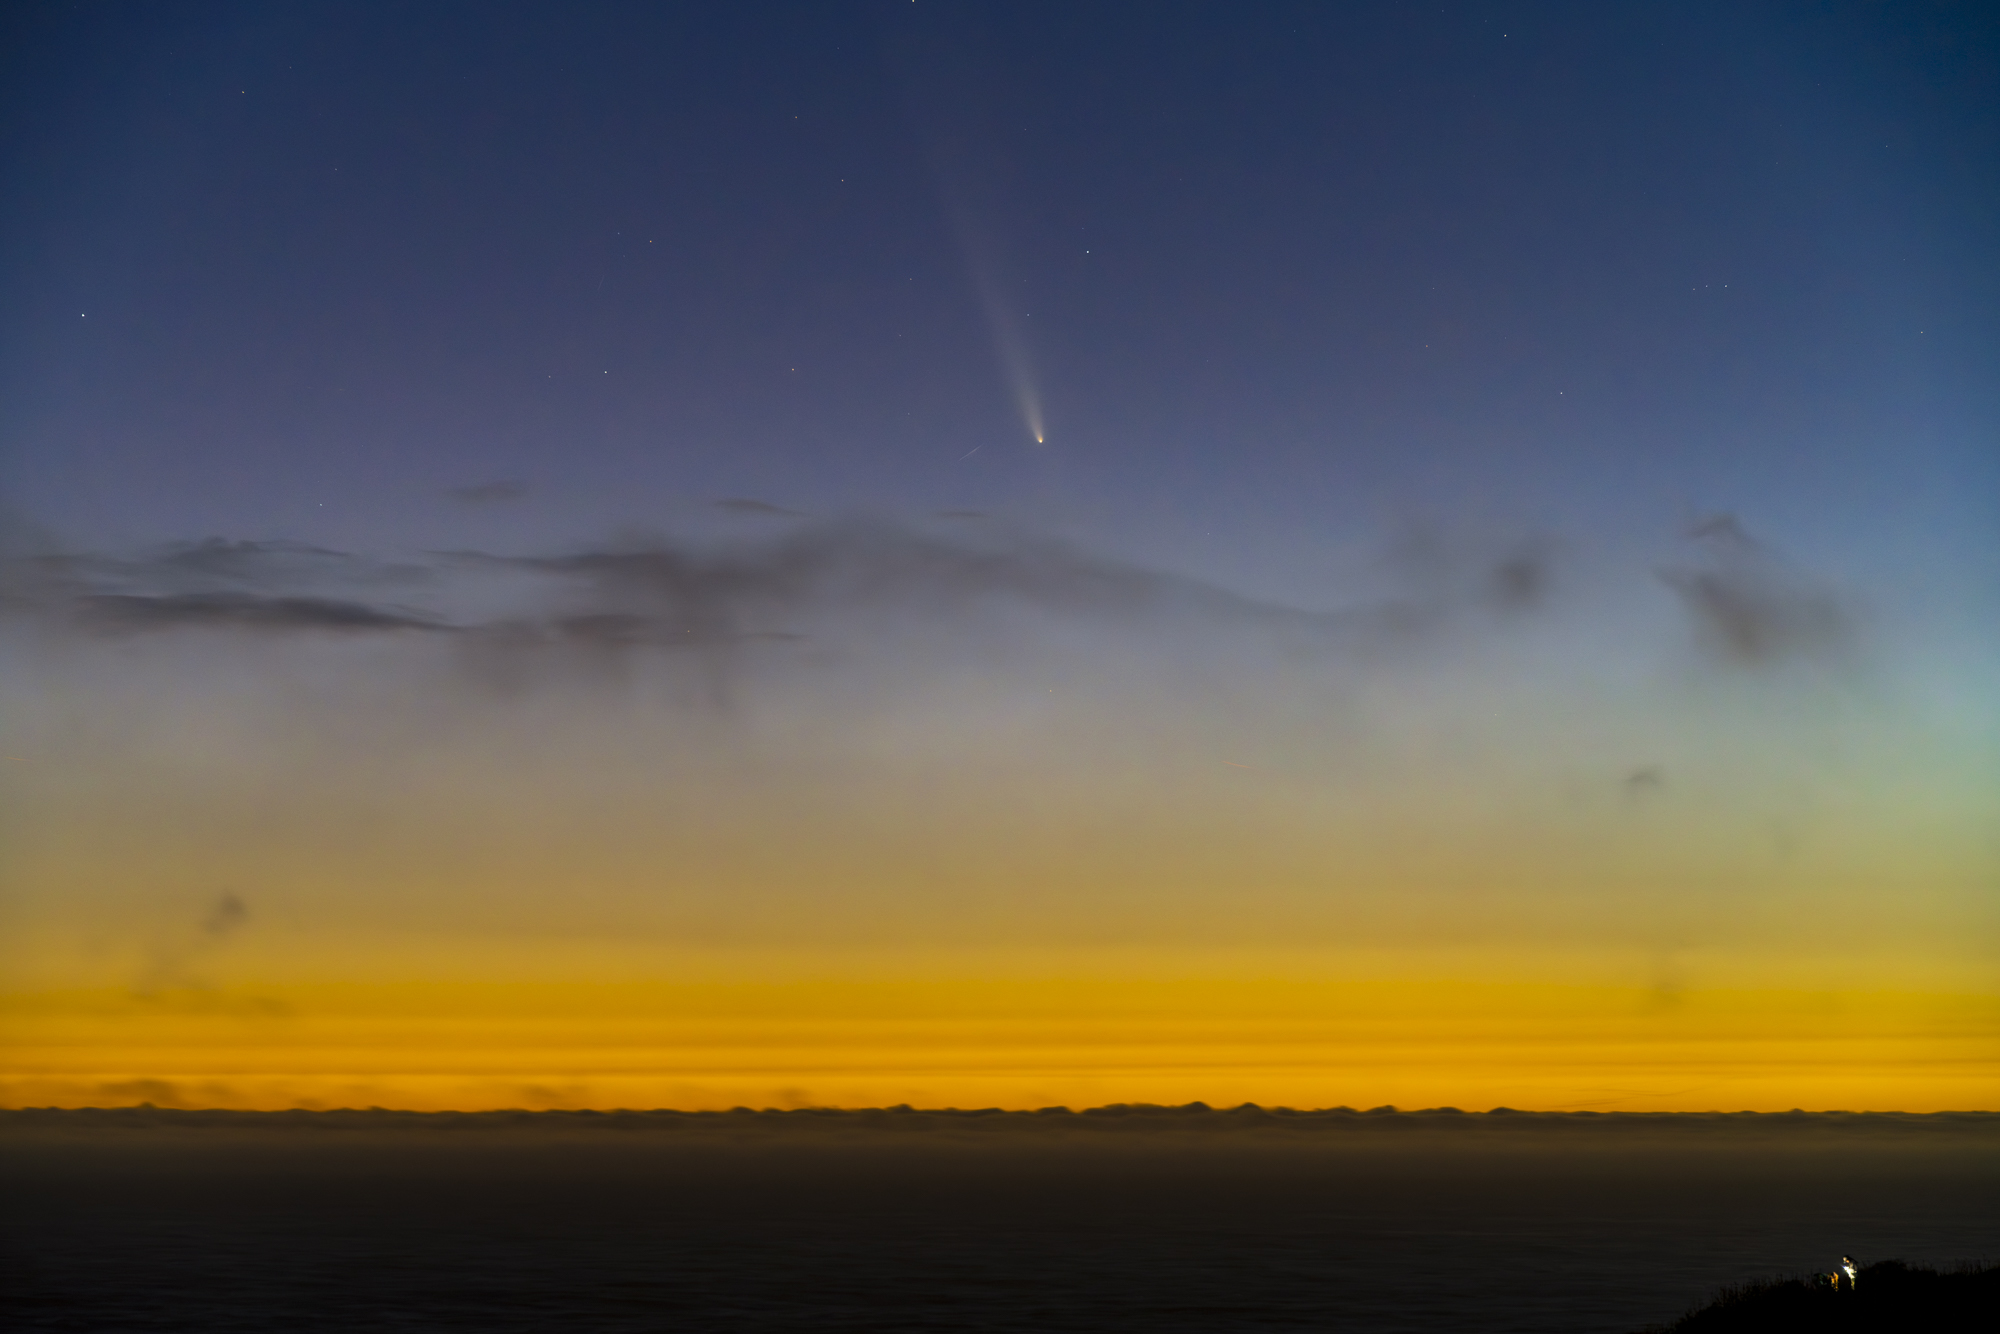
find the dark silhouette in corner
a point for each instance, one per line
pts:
(1896, 1298)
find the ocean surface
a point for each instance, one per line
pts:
(776, 1222)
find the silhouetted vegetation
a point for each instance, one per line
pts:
(1890, 1296)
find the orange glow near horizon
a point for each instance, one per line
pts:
(1010, 1044)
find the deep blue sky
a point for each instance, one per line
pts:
(294, 270)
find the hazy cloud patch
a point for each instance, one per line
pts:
(489, 493)
(228, 914)
(1439, 569)
(152, 1092)
(757, 509)
(884, 566)
(1644, 781)
(245, 561)
(216, 564)
(1751, 609)
(173, 957)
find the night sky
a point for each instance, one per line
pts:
(632, 555)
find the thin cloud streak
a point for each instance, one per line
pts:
(245, 611)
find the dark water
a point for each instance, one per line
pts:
(224, 1235)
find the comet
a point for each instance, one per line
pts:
(1007, 322)
(948, 113)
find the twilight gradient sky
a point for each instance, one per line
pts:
(531, 579)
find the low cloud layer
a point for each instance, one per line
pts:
(810, 581)
(168, 1107)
